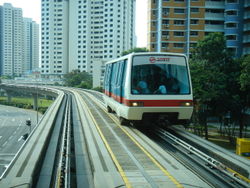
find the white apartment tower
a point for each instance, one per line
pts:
(19, 42)
(11, 40)
(83, 34)
(31, 45)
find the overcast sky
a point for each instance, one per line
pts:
(32, 9)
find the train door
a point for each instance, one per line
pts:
(124, 70)
(114, 74)
(107, 80)
(121, 80)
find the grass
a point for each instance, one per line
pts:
(215, 137)
(27, 103)
(222, 142)
(23, 100)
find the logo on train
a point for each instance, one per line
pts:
(153, 59)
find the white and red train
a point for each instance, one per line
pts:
(142, 86)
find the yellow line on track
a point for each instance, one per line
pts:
(238, 175)
(144, 150)
(149, 155)
(120, 170)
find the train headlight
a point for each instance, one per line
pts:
(187, 104)
(136, 104)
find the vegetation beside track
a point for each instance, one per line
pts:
(26, 103)
(219, 135)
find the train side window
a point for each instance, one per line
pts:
(107, 84)
(123, 72)
(114, 75)
(109, 67)
(106, 75)
(120, 71)
(123, 75)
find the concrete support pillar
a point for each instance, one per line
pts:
(9, 96)
(35, 96)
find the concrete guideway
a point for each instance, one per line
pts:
(100, 152)
(137, 160)
(240, 165)
(22, 167)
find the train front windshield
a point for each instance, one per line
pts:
(159, 75)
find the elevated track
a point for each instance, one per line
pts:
(78, 143)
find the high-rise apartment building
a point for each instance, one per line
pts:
(15, 46)
(11, 40)
(31, 45)
(246, 28)
(83, 34)
(177, 25)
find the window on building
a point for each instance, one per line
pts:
(178, 33)
(194, 21)
(178, 45)
(154, 12)
(194, 10)
(211, 10)
(193, 33)
(165, 11)
(179, 22)
(232, 1)
(165, 22)
(232, 13)
(165, 33)
(231, 37)
(164, 45)
(179, 10)
(214, 22)
(231, 25)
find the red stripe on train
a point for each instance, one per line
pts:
(150, 103)
(159, 103)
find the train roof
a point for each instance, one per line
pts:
(144, 53)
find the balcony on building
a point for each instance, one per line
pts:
(247, 3)
(246, 39)
(246, 51)
(247, 15)
(247, 27)
(214, 16)
(215, 4)
(214, 26)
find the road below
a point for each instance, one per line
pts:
(12, 127)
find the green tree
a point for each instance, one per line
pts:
(210, 65)
(245, 73)
(244, 81)
(134, 50)
(78, 79)
(213, 49)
